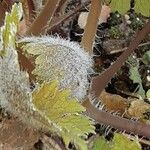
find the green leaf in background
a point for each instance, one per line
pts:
(146, 58)
(122, 6)
(101, 144)
(143, 7)
(136, 78)
(121, 142)
(135, 75)
(148, 94)
(9, 30)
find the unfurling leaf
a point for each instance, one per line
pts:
(62, 60)
(9, 30)
(14, 85)
(65, 113)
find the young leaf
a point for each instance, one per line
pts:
(15, 94)
(60, 59)
(123, 143)
(9, 30)
(65, 113)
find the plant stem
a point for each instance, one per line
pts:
(29, 10)
(99, 83)
(116, 121)
(91, 26)
(57, 21)
(2, 15)
(38, 27)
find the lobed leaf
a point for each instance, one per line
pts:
(65, 113)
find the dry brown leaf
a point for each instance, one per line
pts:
(137, 108)
(14, 135)
(105, 13)
(113, 102)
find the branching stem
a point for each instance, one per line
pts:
(99, 83)
(38, 27)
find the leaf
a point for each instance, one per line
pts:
(15, 92)
(101, 144)
(143, 7)
(122, 6)
(135, 76)
(123, 143)
(65, 113)
(113, 102)
(138, 108)
(14, 85)
(146, 58)
(9, 30)
(59, 59)
(148, 94)
(104, 15)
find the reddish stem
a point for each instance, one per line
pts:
(116, 121)
(100, 82)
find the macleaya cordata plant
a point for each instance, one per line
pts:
(60, 59)
(49, 107)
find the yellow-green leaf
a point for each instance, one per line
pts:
(143, 7)
(65, 113)
(101, 144)
(9, 30)
(121, 142)
(122, 6)
(148, 94)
